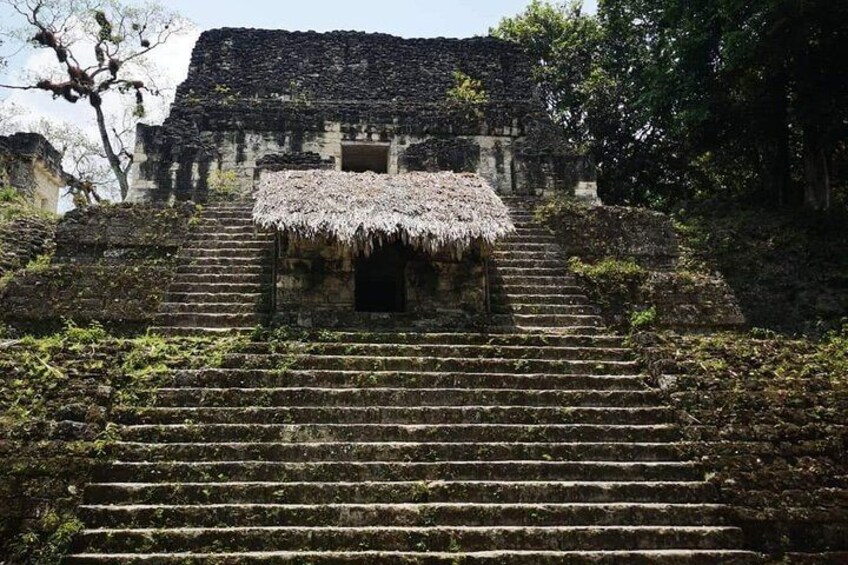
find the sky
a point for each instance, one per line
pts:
(406, 18)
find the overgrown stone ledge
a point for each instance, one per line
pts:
(57, 397)
(632, 264)
(112, 264)
(768, 415)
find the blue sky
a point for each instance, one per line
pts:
(407, 18)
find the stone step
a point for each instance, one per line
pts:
(345, 379)
(292, 538)
(212, 297)
(401, 492)
(501, 298)
(550, 320)
(537, 286)
(228, 239)
(359, 515)
(509, 326)
(365, 471)
(530, 237)
(250, 306)
(532, 263)
(387, 451)
(524, 272)
(227, 220)
(502, 256)
(240, 262)
(416, 397)
(546, 309)
(233, 268)
(220, 278)
(468, 351)
(455, 338)
(400, 414)
(507, 246)
(635, 557)
(402, 363)
(257, 253)
(195, 331)
(203, 320)
(462, 433)
(216, 230)
(255, 244)
(214, 289)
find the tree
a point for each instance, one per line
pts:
(683, 99)
(563, 43)
(101, 49)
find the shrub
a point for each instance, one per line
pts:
(643, 319)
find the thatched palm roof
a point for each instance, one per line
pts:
(429, 211)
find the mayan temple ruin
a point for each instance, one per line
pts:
(347, 255)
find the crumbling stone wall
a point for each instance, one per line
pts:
(316, 288)
(24, 239)
(30, 164)
(637, 259)
(768, 418)
(112, 264)
(251, 94)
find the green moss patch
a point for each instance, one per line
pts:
(56, 397)
(768, 416)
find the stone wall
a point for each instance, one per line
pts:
(245, 106)
(30, 164)
(629, 259)
(112, 264)
(316, 288)
(768, 418)
(23, 240)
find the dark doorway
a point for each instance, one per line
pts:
(380, 281)
(361, 158)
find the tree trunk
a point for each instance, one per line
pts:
(817, 189)
(114, 161)
(776, 172)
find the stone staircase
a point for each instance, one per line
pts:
(535, 445)
(532, 289)
(223, 275)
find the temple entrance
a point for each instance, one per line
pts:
(362, 158)
(380, 281)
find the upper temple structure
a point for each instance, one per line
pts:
(259, 101)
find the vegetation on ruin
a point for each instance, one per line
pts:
(768, 414)
(56, 396)
(13, 206)
(468, 94)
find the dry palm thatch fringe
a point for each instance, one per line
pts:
(433, 212)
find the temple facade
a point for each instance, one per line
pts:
(259, 101)
(378, 163)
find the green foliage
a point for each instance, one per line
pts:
(9, 194)
(564, 42)
(554, 209)
(224, 185)
(40, 263)
(609, 272)
(468, 93)
(49, 539)
(643, 319)
(678, 101)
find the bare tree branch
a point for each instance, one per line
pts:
(120, 37)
